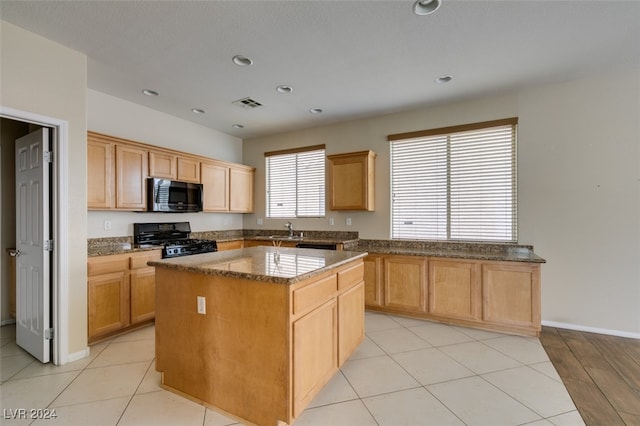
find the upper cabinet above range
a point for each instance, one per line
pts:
(118, 169)
(351, 181)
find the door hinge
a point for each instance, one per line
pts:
(48, 334)
(48, 245)
(48, 156)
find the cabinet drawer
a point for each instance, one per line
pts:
(314, 294)
(107, 264)
(350, 276)
(139, 260)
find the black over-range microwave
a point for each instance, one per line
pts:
(170, 196)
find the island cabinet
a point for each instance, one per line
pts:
(351, 181)
(120, 292)
(256, 350)
(493, 295)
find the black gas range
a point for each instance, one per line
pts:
(172, 237)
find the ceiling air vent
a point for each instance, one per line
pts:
(247, 103)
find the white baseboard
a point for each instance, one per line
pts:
(592, 329)
(8, 321)
(78, 355)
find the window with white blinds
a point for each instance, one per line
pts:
(295, 182)
(456, 183)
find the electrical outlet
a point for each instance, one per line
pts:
(107, 225)
(331, 222)
(202, 305)
(348, 221)
(259, 221)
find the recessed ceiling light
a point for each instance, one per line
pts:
(444, 79)
(149, 92)
(426, 7)
(242, 61)
(284, 89)
(237, 126)
(315, 110)
(197, 111)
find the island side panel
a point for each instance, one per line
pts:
(235, 357)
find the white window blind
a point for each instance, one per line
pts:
(295, 183)
(455, 184)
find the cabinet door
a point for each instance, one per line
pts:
(188, 170)
(315, 353)
(162, 165)
(454, 289)
(230, 245)
(131, 173)
(101, 176)
(215, 186)
(405, 283)
(351, 181)
(373, 280)
(350, 321)
(108, 302)
(241, 190)
(511, 294)
(143, 294)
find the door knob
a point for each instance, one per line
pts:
(14, 253)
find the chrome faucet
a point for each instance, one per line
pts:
(289, 226)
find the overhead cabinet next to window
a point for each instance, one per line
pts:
(118, 169)
(351, 181)
(227, 187)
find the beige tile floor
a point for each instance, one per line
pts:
(406, 372)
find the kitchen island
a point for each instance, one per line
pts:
(257, 332)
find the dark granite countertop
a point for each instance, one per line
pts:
(263, 263)
(475, 251)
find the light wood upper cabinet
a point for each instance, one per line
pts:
(131, 174)
(241, 189)
(351, 181)
(215, 183)
(454, 289)
(118, 169)
(101, 176)
(163, 165)
(188, 170)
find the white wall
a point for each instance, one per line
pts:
(43, 77)
(117, 117)
(578, 187)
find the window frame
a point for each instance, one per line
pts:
(295, 152)
(448, 133)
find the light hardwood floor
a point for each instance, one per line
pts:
(601, 373)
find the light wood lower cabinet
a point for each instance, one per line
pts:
(230, 245)
(454, 289)
(493, 295)
(315, 353)
(373, 280)
(120, 292)
(405, 283)
(511, 294)
(351, 332)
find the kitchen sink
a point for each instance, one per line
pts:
(285, 238)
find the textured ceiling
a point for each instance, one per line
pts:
(350, 58)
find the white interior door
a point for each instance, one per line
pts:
(32, 235)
